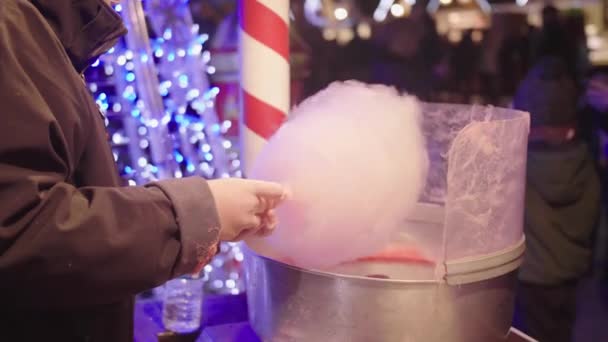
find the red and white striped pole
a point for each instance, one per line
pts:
(265, 87)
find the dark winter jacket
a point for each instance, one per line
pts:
(561, 212)
(74, 246)
(563, 190)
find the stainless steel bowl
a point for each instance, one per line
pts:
(359, 303)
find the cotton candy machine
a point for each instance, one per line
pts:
(449, 273)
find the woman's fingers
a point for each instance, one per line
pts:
(269, 223)
(270, 198)
(261, 205)
(269, 189)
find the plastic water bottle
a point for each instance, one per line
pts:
(182, 304)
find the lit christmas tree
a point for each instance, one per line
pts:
(159, 107)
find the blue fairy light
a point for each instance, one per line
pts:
(129, 96)
(191, 168)
(195, 50)
(206, 56)
(178, 157)
(183, 81)
(194, 29)
(108, 70)
(168, 34)
(192, 94)
(153, 123)
(199, 106)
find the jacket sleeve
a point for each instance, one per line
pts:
(63, 246)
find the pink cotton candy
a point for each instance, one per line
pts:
(355, 160)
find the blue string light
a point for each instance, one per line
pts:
(178, 157)
(130, 77)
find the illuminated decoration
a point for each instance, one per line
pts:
(337, 18)
(341, 20)
(330, 13)
(460, 15)
(182, 65)
(397, 8)
(159, 111)
(364, 30)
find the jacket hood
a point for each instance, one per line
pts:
(86, 28)
(548, 93)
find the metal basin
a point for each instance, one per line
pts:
(287, 303)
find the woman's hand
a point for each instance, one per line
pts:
(246, 207)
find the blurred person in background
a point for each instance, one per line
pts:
(514, 55)
(550, 19)
(408, 51)
(465, 66)
(595, 117)
(562, 203)
(596, 100)
(563, 35)
(574, 26)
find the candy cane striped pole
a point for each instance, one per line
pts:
(264, 52)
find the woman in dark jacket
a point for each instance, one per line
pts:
(75, 246)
